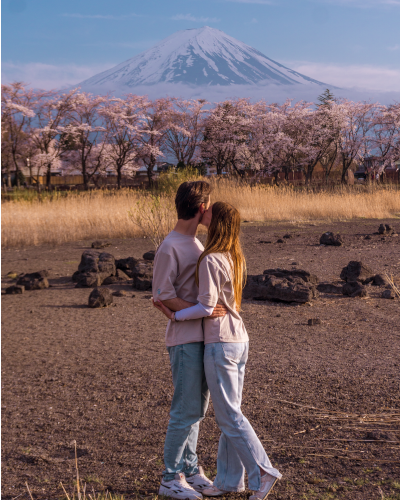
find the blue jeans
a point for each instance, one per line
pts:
(239, 448)
(188, 408)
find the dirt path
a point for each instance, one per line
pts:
(101, 377)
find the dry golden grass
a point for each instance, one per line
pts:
(100, 214)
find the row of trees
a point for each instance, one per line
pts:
(77, 131)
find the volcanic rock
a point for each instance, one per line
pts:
(142, 274)
(293, 273)
(386, 294)
(149, 255)
(377, 280)
(286, 289)
(94, 268)
(356, 271)
(101, 244)
(354, 289)
(329, 238)
(314, 321)
(329, 288)
(100, 297)
(34, 281)
(126, 265)
(15, 289)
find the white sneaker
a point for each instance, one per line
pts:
(213, 491)
(267, 483)
(199, 481)
(179, 488)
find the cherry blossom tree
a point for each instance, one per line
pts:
(16, 116)
(356, 140)
(387, 135)
(226, 140)
(185, 130)
(52, 112)
(84, 137)
(123, 119)
(153, 132)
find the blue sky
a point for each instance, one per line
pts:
(50, 43)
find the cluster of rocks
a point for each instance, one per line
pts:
(101, 268)
(385, 229)
(299, 286)
(296, 286)
(30, 281)
(331, 239)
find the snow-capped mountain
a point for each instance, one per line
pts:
(201, 57)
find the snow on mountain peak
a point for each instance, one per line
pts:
(202, 56)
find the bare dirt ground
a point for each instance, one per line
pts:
(102, 377)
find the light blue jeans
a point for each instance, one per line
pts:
(239, 447)
(188, 408)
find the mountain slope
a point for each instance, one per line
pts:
(204, 56)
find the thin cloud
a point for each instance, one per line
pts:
(189, 17)
(381, 78)
(394, 47)
(101, 16)
(50, 76)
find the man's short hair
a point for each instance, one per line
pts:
(190, 196)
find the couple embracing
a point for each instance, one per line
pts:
(200, 290)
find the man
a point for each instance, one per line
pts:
(174, 285)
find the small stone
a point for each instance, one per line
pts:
(329, 238)
(329, 288)
(380, 280)
(34, 281)
(368, 237)
(133, 296)
(15, 289)
(266, 242)
(388, 294)
(120, 293)
(288, 236)
(101, 244)
(12, 275)
(294, 264)
(356, 271)
(111, 280)
(382, 229)
(278, 315)
(149, 255)
(148, 297)
(354, 289)
(100, 297)
(314, 321)
(280, 240)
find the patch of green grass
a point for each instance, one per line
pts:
(92, 479)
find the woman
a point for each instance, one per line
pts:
(220, 276)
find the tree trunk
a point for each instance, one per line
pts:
(309, 174)
(150, 175)
(344, 171)
(119, 177)
(48, 176)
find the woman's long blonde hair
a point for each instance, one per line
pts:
(223, 237)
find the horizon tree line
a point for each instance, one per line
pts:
(80, 132)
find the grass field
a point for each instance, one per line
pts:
(105, 214)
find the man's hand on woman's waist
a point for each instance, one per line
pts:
(178, 304)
